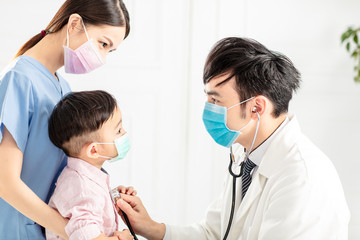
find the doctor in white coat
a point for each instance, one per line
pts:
(289, 189)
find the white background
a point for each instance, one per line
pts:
(156, 75)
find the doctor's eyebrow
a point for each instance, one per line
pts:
(212, 93)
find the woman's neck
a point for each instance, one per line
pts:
(49, 51)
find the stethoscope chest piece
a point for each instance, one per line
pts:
(233, 165)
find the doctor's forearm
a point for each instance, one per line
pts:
(155, 231)
(23, 199)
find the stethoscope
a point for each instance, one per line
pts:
(235, 176)
(115, 194)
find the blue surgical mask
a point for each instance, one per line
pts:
(122, 145)
(214, 118)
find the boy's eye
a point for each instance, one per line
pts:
(119, 131)
(104, 45)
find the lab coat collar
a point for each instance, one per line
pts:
(257, 154)
(285, 138)
(278, 149)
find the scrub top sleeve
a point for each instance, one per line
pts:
(16, 107)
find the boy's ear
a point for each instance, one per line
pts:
(92, 151)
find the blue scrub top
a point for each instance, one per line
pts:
(28, 94)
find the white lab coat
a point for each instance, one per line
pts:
(295, 194)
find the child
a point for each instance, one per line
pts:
(87, 126)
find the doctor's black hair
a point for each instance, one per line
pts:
(76, 118)
(257, 71)
(94, 12)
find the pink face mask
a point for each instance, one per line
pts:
(83, 59)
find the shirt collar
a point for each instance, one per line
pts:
(84, 168)
(256, 155)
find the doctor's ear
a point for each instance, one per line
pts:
(260, 106)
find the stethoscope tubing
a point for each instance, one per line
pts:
(129, 225)
(233, 201)
(235, 176)
(115, 195)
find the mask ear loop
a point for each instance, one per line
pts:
(85, 29)
(239, 103)
(246, 125)
(67, 37)
(102, 155)
(252, 144)
(67, 33)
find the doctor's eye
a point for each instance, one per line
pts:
(214, 100)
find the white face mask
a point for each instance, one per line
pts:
(83, 59)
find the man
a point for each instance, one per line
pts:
(288, 189)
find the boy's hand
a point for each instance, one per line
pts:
(124, 235)
(127, 190)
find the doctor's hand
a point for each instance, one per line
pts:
(139, 218)
(127, 190)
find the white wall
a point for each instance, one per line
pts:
(156, 75)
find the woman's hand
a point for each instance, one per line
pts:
(139, 218)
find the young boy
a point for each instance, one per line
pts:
(87, 126)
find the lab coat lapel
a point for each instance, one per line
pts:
(251, 197)
(272, 160)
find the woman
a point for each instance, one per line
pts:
(79, 36)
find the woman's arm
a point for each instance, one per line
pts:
(14, 191)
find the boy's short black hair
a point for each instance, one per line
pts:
(257, 71)
(76, 118)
